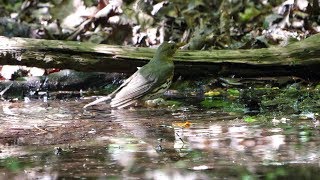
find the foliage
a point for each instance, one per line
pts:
(203, 24)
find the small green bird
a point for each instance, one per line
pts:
(148, 82)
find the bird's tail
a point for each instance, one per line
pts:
(106, 98)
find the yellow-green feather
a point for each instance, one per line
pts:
(149, 81)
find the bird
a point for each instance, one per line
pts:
(148, 82)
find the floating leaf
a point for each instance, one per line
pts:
(186, 124)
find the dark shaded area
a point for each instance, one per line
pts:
(196, 70)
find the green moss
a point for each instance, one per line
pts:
(250, 119)
(233, 92)
(214, 103)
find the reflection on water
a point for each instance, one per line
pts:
(151, 144)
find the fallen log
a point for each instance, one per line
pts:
(298, 59)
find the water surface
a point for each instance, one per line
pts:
(184, 143)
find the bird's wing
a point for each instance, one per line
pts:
(110, 96)
(136, 87)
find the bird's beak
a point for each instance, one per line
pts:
(180, 44)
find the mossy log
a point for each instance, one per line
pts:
(297, 59)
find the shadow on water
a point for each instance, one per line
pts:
(61, 140)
